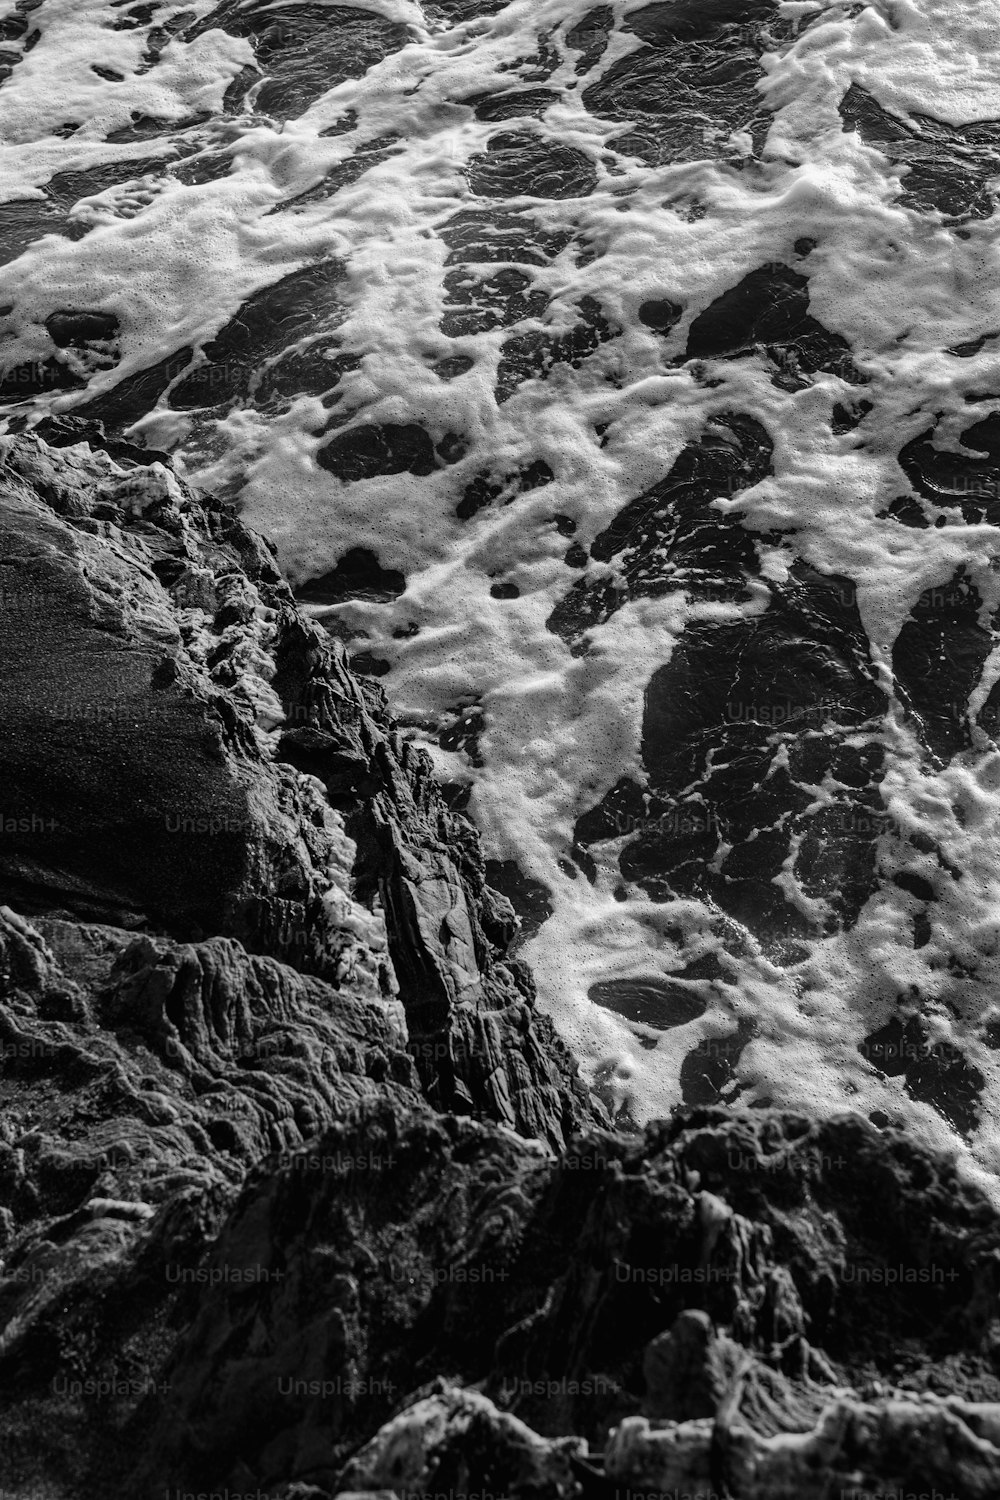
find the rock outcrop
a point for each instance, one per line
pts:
(300, 1196)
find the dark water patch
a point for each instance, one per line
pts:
(538, 66)
(483, 235)
(532, 355)
(315, 370)
(203, 166)
(372, 449)
(943, 168)
(695, 20)
(935, 1072)
(590, 37)
(37, 377)
(908, 511)
(302, 50)
(365, 664)
(706, 967)
(135, 16)
(476, 303)
(456, 11)
(453, 366)
(146, 127)
(971, 347)
(22, 223)
(694, 83)
(672, 536)
(66, 189)
(660, 1003)
(530, 899)
(357, 575)
(265, 325)
(708, 1072)
(487, 487)
(660, 314)
(513, 104)
(915, 885)
(122, 405)
(847, 418)
(969, 482)
(739, 727)
(938, 659)
(769, 309)
(461, 731)
(344, 174)
(922, 930)
(517, 163)
(75, 330)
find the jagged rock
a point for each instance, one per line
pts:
(461, 1434)
(186, 753)
(752, 1270)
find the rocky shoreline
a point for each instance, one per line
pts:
(300, 1195)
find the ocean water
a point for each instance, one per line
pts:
(621, 383)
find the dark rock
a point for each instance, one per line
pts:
(574, 1295)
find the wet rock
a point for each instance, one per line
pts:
(573, 1294)
(528, 897)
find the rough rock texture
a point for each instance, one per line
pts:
(183, 752)
(299, 1196)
